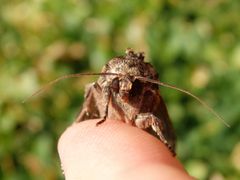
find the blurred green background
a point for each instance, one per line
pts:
(193, 44)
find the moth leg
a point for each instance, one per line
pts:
(106, 93)
(145, 120)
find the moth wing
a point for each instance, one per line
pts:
(162, 113)
(90, 108)
(153, 103)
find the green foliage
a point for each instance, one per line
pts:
(193, 44)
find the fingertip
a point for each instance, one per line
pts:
(109, 149)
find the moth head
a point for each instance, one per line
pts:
(122, 86)
(126, 86)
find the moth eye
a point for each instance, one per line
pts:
(115, 85)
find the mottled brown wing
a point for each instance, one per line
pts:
(154, 103)
(90, 109)
(161, 112)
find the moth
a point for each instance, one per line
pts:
(128, 90)
(126, 96)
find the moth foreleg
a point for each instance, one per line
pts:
(145, 120)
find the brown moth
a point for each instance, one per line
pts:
(127, 90)
(127, 98)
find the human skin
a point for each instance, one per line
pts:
(115, 150)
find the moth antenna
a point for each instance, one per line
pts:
(186, 92)
(51, 83)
